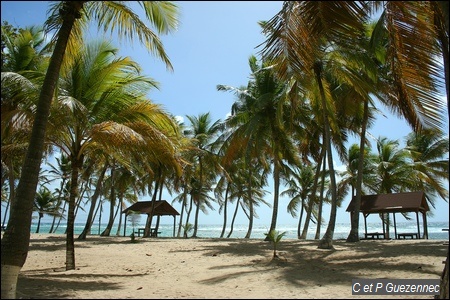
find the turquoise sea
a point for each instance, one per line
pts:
(435, 230)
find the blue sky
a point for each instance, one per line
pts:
(211, 46)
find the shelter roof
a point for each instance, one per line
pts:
(161, 208)
(395, 202)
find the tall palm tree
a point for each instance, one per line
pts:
(24, 60)
(46, 203)
(102, 106)
(262, 125)
(204, 133)
(299, 181)
(67, 18)
(324, 60)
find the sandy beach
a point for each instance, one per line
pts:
(155, 268)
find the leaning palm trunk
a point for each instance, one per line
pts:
(234, 217)
(225, 212)
(250, 206)
(186, 224)
(112, 196)
(312, 195)
(183, 208)
(15, 241)
(60, 193)
(276, 180)
(354, 232)
(250, 220)
(90, 217)
(319, 217)
(197, 213)
(119, 208)
(327, 241)
(300, 219)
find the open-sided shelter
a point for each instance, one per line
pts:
(159, 208)
(393, 203)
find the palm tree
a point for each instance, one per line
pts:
(102, 107)
(46, 203)
(23, 64)
(299, 23)
(428, 149)
(300, 182)
(204, 133)
(393, 170)
(262, 125)
(323, 64)
(60, 172)
(275, 237)
(97, 177)
(67, 17)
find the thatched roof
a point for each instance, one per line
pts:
(395, 202)
(161, 208)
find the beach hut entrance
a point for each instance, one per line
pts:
(393, 203)
(151, 208)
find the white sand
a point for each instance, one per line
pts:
(113, 267)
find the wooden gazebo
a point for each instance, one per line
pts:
(393, 203)
(158, 208)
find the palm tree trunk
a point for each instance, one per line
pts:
(234, 217)
(319, 214)
(250, 205)
(354, 232)
(312, 195)
(225, 204)
(112, 199)
(63, 182)
(250, 219)
(119, 206)
(183, 208)
(90, 217)
(327, 240)
(70, 245)
(300, 219)
(16, 239)
(276, 183)
(322, 190)
(60, 217)
(39, 222)
(186, 224)
(197, 212)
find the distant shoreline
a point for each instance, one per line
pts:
(239, 231)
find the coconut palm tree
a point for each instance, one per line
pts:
(323, 63)
(348, 182)
(46, 203)
(67, 18)
(300, 181)
(428, 149)
(417, 36)
(102, 106)
(204, 133)
(23, 64)
(262, 125)
(60, 172)
(394, 167)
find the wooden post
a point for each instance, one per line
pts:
(418, 224)
(395, 227)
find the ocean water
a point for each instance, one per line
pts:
(435, 230)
